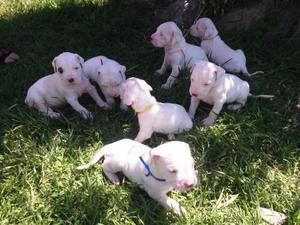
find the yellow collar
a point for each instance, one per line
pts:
(146, 108)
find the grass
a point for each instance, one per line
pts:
(250, 158)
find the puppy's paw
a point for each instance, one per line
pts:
(124, 107)
(171, 137)
(158, 73)
(234, 106)
(175, 207)
(106, 106)
(208, 121)
(86, 114)
(53, 115)
(165, 86)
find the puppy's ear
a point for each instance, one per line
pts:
(80, 59)
(175, 37)
(145, 85)
(210, 30)
(218, 72)
(54, 64)
(126, 94)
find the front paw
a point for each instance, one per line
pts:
(106, 106)
(176, 208)
(158, 72)
(86, 114)
(208, 121)
(53, 115)
(124, 107)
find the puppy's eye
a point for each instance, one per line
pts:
(174, 171)
(60, 70)
(205, 84)
(76, 68)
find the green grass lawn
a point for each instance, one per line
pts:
(251, 154)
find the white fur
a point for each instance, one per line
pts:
(65, 85)
(212, 85)
(108, 74)
(217, 50)
(171, 161)
(178, 53)
(153, 116)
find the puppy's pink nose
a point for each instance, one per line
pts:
(194, 94)
(188, 184)
(71, 80)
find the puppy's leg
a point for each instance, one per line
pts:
(172, 77)
(167, 202)
(123, 106)
(91, 90)
(171, 137)
(73, 101)
(162, 69)
(208, 121)
(193, 106)
(110, 168)
(143, 134)
(41, 106)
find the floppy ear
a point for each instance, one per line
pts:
(80, 59)
(175, 37)
(144, 84)
(123, 70)
(54, 64)
(219, 72)
(126, 94)
(210, 30)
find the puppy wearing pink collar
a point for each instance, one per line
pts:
(178, 53)
(108, 74)
(158, 171)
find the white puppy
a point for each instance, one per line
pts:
(157, 171)
(153, 116)
(178, 53)
(217, 50)
(108, 74)
(212, 85)
(66, 84)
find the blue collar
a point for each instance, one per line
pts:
(149, 171)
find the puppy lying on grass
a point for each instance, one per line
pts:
(233, 61)
(178, 53)
(212, 85)
(108, 74)
(65, 85)
(153, 116)
(157, 171)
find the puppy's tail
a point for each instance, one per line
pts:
(254, 73)
(99, 154)
(245, 71)
(260, 96)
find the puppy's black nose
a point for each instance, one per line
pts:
(71, 80)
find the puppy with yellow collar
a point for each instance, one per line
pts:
(153, 116)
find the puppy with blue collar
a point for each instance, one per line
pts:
(158, 171)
